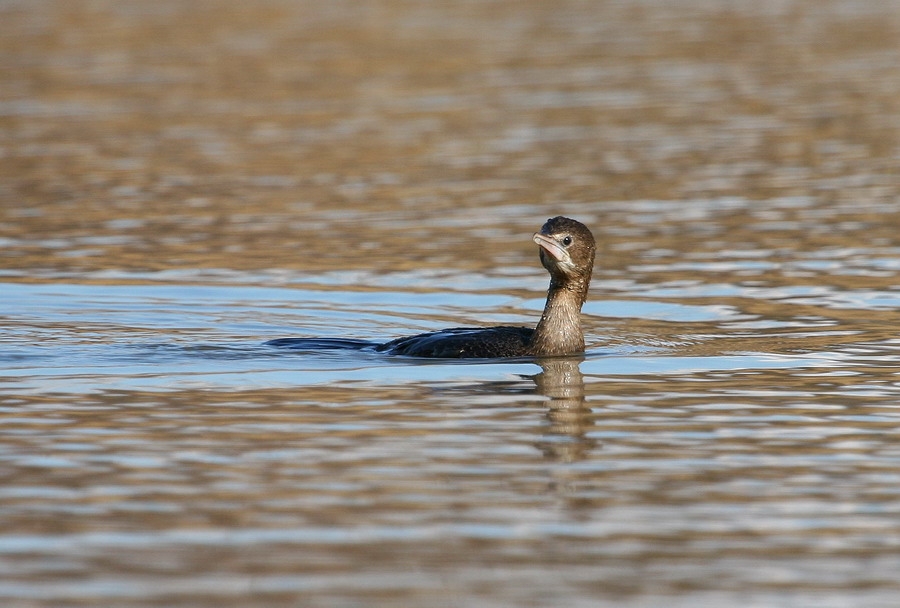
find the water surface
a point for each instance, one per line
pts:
(181, 182)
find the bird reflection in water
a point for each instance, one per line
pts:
(570, 418)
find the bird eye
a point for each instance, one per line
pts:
(567, 241)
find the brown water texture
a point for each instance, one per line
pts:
(737, 162)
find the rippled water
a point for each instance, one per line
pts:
(181, 182)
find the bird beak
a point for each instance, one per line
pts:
(551, 247)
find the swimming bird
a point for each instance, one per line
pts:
(566, 248)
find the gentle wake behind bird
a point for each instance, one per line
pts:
(566, 249)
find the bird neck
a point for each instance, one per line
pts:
(559, 330)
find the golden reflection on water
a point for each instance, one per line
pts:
(326, 481)
(737, 162)
(239, 137)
